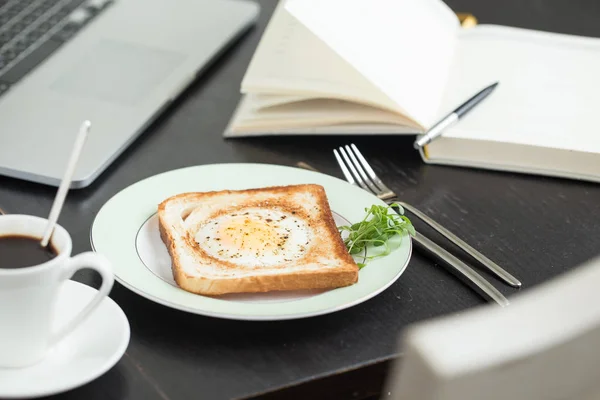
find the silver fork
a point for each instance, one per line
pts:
(358, 172)
(375, 185)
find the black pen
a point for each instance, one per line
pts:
(453, 117)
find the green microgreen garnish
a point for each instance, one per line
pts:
(376, 229)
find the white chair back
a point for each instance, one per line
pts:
(544, 346)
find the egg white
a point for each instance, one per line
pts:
(255, 237)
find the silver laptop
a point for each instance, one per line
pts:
(117, 63)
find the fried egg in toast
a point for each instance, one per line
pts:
(255, 240)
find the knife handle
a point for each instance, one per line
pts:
(461, 270)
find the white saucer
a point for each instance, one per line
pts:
(88, 352)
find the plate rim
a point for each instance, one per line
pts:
(242, 317)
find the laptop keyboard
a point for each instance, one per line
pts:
(31, 30)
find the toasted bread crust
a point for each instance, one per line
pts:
(343, 275)
(265, 283)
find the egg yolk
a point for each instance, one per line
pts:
(249, 235)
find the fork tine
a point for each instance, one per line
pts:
(354, 172)
(383, 192)
(344, 169)
(362, 173)
(369, 170)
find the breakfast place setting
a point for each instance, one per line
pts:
(264, 202)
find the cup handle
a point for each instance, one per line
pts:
(81, 261)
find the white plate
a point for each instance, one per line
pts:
(126, 231)
(88, 352)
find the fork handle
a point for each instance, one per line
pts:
(489, 264)
(461, 270)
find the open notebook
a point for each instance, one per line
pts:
(398, 66)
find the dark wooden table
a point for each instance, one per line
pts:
(536, 227)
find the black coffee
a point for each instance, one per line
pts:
(23, 251)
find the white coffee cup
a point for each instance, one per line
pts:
(28, 295)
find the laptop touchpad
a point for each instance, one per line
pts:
(118, 72)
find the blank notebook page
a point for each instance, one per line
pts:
(291, 60)
(549, 91)
(404, 47)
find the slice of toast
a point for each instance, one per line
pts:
(255, 240)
